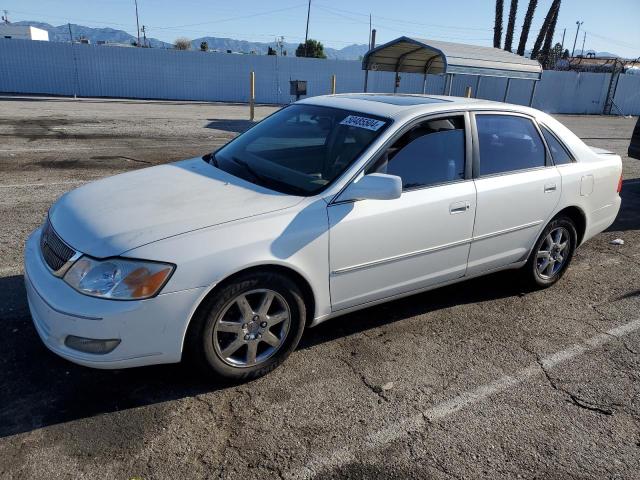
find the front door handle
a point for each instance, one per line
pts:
(550, 187)
(459, 207)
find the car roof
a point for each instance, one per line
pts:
(402, 105)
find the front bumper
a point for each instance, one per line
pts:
(151, 331)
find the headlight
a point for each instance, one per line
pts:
(118, 278)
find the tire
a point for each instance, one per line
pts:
(262, 339)
(539, 274)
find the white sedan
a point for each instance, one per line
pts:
(329, 205)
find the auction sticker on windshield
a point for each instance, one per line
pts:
(362, 122)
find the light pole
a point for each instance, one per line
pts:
(578, 23)
(306, 34)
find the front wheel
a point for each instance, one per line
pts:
(552, 253)
(248, 327)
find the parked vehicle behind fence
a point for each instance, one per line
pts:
(330, 205)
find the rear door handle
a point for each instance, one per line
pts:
(459, 207)
(550, 187)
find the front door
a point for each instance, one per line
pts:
(382, 248)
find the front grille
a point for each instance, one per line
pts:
(55, 252)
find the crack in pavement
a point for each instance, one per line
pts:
(575, 400)
(374, 388)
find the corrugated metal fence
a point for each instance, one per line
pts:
(100, 71)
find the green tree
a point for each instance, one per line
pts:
(271, 51)
(526, 26)
(497, 27)
(508, 39)
(555, 54)
(204, 46)
(314, 49)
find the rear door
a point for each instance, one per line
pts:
(517, 185)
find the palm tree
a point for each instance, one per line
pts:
(546, 48)
(528, 18)
(497, 29)
(508, 39)
(545, 27)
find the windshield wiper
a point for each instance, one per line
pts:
(250, 169)
(269, 180)
(211, 159)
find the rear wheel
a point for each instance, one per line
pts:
(248, 327)
(552, 253)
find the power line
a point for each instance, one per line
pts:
(404, 21)
(241, 17)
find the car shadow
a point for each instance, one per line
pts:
(39, 389)
(492, 287)
(628, 217)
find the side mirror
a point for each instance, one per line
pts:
(375, 186)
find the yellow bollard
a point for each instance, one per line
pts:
(333, 84)
(467, 92)
(252, 95)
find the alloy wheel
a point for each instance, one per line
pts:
(251, 328)
(553, 252)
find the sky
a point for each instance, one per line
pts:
(610, 26)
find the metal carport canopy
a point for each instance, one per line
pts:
(417, 55)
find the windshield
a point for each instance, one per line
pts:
(300, 149)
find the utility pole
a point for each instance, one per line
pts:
(137, 22)
(75, 65)
(584, 37)
(563, 33)
(576, 39)
(144, 35)
(369, 30)
(306, 35)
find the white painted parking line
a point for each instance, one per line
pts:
(52, 184)
(400, 428)
(6, 271)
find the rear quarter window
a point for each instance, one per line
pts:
(559, 153)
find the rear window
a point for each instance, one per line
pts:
(508, 143)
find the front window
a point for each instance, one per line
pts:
(431, 153)
(301, 149)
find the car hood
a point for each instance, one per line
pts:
(113, 215)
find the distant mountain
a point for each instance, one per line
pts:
(61, 34)
(598, 54)
(94, 35)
